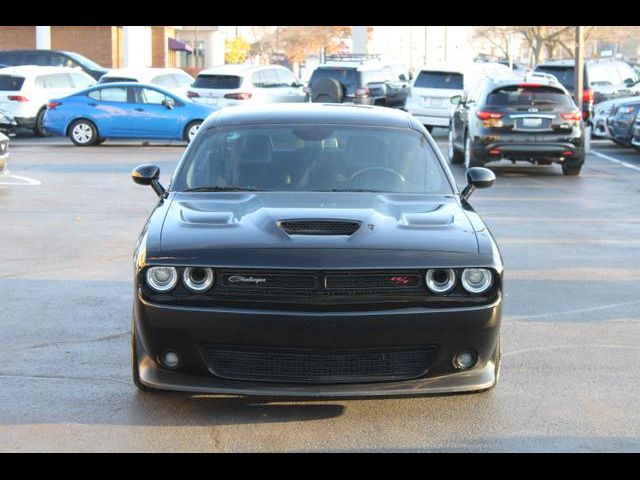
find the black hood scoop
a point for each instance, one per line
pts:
(319, 226)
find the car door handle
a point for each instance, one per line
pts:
(92, 104)
(139, 109)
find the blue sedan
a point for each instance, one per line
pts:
(124, 110)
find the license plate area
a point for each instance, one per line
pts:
(532, 124)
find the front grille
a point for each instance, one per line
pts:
(319, 366)
(319, 227)
(245, 283)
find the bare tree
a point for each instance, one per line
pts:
(498, 37)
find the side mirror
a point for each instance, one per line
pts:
(456, 100)
(148, 174)
(477, 177)
(169, 103)
(629, 82)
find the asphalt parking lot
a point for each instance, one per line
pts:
(571, 327)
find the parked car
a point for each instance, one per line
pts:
(621, 123)
(359, 79)
(315, 250)
(4, 154)
(230, 85)
(518, 119)
(431, 92)
(52, 58)
(602, 112)
(8, 124)
(25, 91)
(172, 79)
(635, 138)
(603, 80)
(124, 110)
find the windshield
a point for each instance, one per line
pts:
(520, 95)
(84, 61)
(312, 158)
(565, 75)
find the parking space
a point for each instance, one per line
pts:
(571, 325)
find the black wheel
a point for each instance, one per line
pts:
(327, 90)
(571, 169)
(83, 133)
(39, 129)
(469, 158)
(456, 157)
(191, 130)
(135, 371)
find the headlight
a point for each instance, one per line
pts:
(198, 279)
(476, 280)
(162, 279)
(440, 280)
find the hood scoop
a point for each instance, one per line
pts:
(319, 226)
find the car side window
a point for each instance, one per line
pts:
(270, 77)
(54, 80)
(181, 80)
(149, 96)
(95, 95)
(114, 94)
(81, 81)
(285, 78)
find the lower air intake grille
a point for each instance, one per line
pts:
(319, 227)
(319, 366)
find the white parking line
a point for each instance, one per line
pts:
(23, 180)
(615, 160)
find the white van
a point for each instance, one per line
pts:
(431, 91)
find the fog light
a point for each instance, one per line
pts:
(465, 359)
(170, 359)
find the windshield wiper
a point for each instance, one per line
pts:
(228, 188)
(352, 190)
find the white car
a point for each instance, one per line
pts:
(26, 90)
(431, 91)
(229, 85)
(173, 79)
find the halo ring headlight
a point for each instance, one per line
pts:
(440, 280)
(477, 280)
(198, 279)
(161, 279)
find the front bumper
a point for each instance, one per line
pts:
(187, 329)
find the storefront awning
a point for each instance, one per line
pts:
(177, 45)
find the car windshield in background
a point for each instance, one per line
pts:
(10, 83)
(105, 79)
(565, 75)
(222, 82)
(84, 61)
(312, 158)
(348, 77)
(518, 95)
(444, 80)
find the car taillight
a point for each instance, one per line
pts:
(238, 96)
(18, 98)
(191, 94)
(52, 105)
(362, 92)
(587, 95)
(576, 116)
(483, 115)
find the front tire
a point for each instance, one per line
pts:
(38, 128)
(191, 130)
(469, 159)
(83, 133)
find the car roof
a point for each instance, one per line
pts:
(311, 113)
(233, 69)
(142, 72)
(38, 70)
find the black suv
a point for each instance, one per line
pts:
(603, 80)
(531, 119)
(52, 58)
(359, 79)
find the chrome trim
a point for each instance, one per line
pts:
(532, 115)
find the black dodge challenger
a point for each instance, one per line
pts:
(315, 250)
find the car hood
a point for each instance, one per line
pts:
(237, 228)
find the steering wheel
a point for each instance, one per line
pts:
(397, 175)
